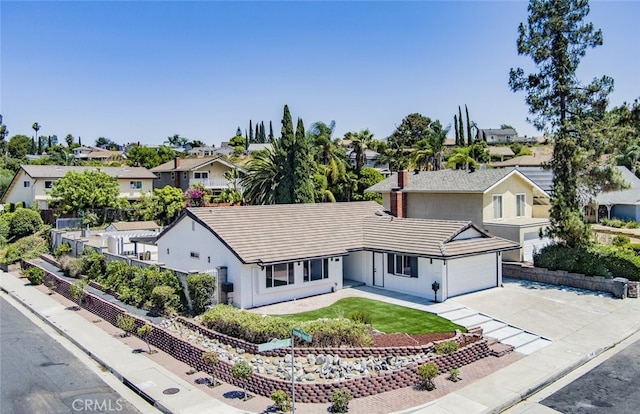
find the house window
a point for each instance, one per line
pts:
(195, 255)
(279, 275)
(27, 184)
(497, 206)
(316, 270)
(135, 185)
(520, 205)
(402, 265)
(48, 184)
(201, 175)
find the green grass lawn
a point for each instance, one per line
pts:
(385, 317)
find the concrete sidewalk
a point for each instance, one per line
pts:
(582, 324)
(144, 374)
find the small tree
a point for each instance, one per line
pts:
(201, 288)
(427, 372)
(77, 291)
(281, 400)
(340, 398)
(35, 275)
(211, 358)
(143, 332)
(242, 370)
(126, 323)
(454, 375)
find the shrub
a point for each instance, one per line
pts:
(446, 347)
(77, 290)
(632, 225)
(24, 222)
(621, 240)
(428, 372)
(93, 264)
(454, 374)
(616, 223)
(281, 400)
(164, 297)
(35, 275)
(201, 288)
(242, 370)
(71, 266)
(360, 316)
(26, 248)
(126, 323)
(635, 247)
(340, 398)
(63, 249)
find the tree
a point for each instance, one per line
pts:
(141, 156)
(413, 128)
(285, 157)
(263, 175)
(238, 132)
(211, 358)
(455, 125)
(507, 126)
(36, 127)
(238, 143)
(105, 143)
(461, 158)
(19, 146)
(428, 372)
(360, 142)
(250, 132)
(144, 332)
(461, 126)
(162, 206)
(176, 140)
(302, 167)
(165, 153)
(556, 38)
(270, 132)
(241, 370)
(90, 189)
(69, 140)
(201, 288)
(24, 222)
(469, 136)
(126, 323)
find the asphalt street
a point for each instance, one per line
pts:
(38, 375)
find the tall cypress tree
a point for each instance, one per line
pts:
(461, 125)
(270, 131)
(250, 132)
(469, 137)
(257, 139)
(303, 191)
(285, 189)
(455, 125)
(263, 137)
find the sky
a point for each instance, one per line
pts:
(142, 71)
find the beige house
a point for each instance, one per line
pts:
(185, 172)
(33, 183)
(503, 202)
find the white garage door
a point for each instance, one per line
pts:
(533, 243)
(470, 274)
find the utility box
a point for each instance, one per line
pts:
(620, 287)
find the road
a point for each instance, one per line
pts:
(39, 375)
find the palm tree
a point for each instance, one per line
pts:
(360, 142)
(421, 156)
(461, 156)
(36, 127)
(264, 174)
(437, 136)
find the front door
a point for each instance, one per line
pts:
(378, 269)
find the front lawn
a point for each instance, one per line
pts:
(385, 317)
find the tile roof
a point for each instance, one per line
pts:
(525, 161)
(134, 225)
(445, 181)
(58, 171)
(285, 232)
(501, 151)
(189, 163)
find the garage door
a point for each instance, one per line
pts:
(533, 243)
(470, 274)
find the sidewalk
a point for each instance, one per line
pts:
(500, 382)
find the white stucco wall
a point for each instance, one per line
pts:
(358, 266)
(19, 192)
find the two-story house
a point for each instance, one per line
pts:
(185, 172)
(503, 202)
(497, 136)
(33, 183)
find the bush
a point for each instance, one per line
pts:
(428, 372)
(126, 323)
(71, 266)
(35, 275)
(360, 316)
(446, 347)
(26, 248)
(62, 250)
(281, 400)
(77, 290)
(454, 375)
(616, 223)
(621, 240)
(24, 222)
(340, 398)
(242, 370)
(164, 298)
(94, 264)
(201, 288)
(635, 247)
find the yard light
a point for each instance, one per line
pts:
(435, 286)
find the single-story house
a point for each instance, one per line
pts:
(502, 201)
(621, 204)
(32, 183)
(281, 252)
(185, 172)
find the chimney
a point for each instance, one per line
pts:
(176, 162)
(398, 203)
(403, 178)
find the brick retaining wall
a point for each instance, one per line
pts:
(191, 355)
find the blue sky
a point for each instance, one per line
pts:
(141, 71)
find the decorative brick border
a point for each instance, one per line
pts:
(191, 355)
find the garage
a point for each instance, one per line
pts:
(533, 243)
(469, 274)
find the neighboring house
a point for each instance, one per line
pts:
(202, 151)
(259, 147)
(534, 160)
(274, 253)
(32, 183)
(501, 153)
(371, 160)
(502, 201)
(185, 172)
(622, 204)
(497, 136)
(96, 154)
(132, 225)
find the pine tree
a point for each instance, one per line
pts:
(270, 131)
(285, 189)
(461, 126)
(455, 125)
(303, 190)
(469, 136)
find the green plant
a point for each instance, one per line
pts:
(446, 347)
(63, 249)
(621, 240)
(340, 398)
(24, 222)
(71, 266)
(94, 264)
(360, 316)
(126, 323)
(163, 297)
(454, 375)
(201, 288)
(35, 275)
(211, 358)
(143, 332)
(428, 372)
(77, 290)
(241, 370)
(281, 400)
(51, 285)
(26, 248)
